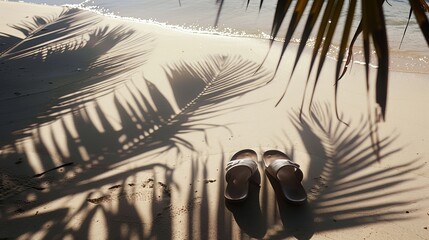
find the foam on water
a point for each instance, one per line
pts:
(413, 57)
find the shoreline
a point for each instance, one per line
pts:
(119, 130)
(411, 61)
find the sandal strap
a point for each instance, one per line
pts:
(276, 165)
(248, 162)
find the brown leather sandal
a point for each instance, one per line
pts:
(286, 176)
(240, 171)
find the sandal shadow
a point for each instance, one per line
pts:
(248, 214)
(298, 220)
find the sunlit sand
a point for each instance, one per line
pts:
(122, 130)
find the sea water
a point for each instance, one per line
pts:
(237, 19)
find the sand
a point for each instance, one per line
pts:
(115, 129)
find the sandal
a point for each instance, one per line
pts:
(285, 175)
(241, 170)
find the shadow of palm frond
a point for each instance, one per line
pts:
(27, 28)
(345, 186)
(204, 214)
(71, 62)
(50, 32)
(219, 78)
(200, 91)
(7, 40)
(36, 23)
(71, 156)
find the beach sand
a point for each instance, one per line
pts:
(117, 129)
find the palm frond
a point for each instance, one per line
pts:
(220, 2)
(342, 50)
(372, 25)
(296, 17)
(406, 27)
(309, 25)
(419, 8)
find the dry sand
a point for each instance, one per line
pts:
(113, 129)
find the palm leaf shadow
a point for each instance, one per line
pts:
(218, 79)
(45, 31)
(27, 28)
(344, 189)
(199, 89)
(350, 156)
(93, 61)
(7, 40)
(150, 126)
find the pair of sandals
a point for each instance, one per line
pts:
(284, 175)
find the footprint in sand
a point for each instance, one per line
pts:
(319, 186)
(133, 192)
